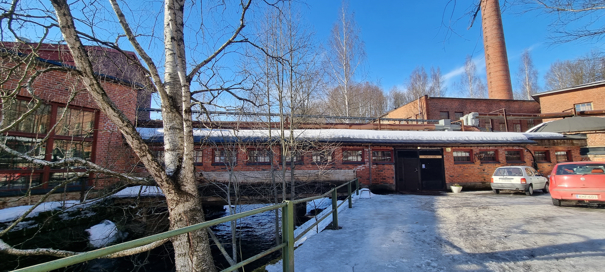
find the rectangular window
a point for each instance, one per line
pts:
(35, 147)
(225, 157)
(562, 156)
(488, 126)
(322, 156)
(458, 115)
(69, 149)
(159, 155)
(382, 156)
(530, 123)
(583, 106)
(259, 156)
(37, 122)
(488, 156)
(462, 156)
(502, 127)
(198, 157)
(444, 115)
(517, 127)
(352, 156)
(298, 157)
(75, 122)
(514, 156)
(542, 156)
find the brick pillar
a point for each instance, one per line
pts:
(496, 60)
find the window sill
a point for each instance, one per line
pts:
(353, 162)
(490, 162)
(543, 162)
(383, 163)
(517, 162)
(464, 163)
(222, 164)
(258, 163)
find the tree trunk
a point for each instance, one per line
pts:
(191, 251)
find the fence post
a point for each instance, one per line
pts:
(350, 195)
(334, 209)
(357, 185)
(288, 236)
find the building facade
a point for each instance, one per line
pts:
(436, 108)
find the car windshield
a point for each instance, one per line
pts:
(509, 171)
(581, 169)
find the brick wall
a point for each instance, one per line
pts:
(431, 107)
(565, 101)
(477, 174)
(56, 86)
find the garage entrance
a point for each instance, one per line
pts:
(419, 170)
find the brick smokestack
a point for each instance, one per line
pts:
(496, 60)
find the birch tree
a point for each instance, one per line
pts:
(470, 84)
(345, 55)
(527, 77)
(172, 71)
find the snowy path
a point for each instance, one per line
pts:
(472, 231)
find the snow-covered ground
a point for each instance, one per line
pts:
(471, 231)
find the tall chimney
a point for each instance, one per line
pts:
(496, 60)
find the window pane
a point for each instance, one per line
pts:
(488, 156)
(197, 156)
(258, 156)
(70, 149)
(462, 156)
(36, 122)
(72, 179)
(225, 156)
(19, 181)
(562, 156)
(323, 156)
(542, 156)
(75, 123)
(583, 107)
(458, 115)
(513, 156)
(352, 156)
(382, 156)
(24, 145)
(444, 115)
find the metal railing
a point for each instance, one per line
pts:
(287, 245)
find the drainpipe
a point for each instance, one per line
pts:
(370, 160)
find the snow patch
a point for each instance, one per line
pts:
(136, 191)
(103, 234)
(13, 213)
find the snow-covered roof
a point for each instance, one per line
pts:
(360, 136)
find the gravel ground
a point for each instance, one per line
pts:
(470, 231)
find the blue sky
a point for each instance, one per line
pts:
(401, 35)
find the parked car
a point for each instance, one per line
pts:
(579, 181)
(518, 178)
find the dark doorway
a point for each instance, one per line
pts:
(419, 170)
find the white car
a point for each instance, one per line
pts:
(518, 178)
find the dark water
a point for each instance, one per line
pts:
(254, 234)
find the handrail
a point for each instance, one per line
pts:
(287, 244)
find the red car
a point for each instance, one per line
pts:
(578, 181)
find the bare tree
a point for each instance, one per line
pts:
(436, 87)
(572, 20)
(470, 84)
(397, 98)
(527, 77)
(568, 73)
(172, 81)
(366, 100)
(345, 54)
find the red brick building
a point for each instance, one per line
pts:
(436, 108)
(81, 129)
(382, 160)
(579, 99)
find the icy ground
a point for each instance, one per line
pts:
(471, 231)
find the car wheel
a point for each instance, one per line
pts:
(530, 190)
(496, 191)
(545, 190)
(556, 202)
